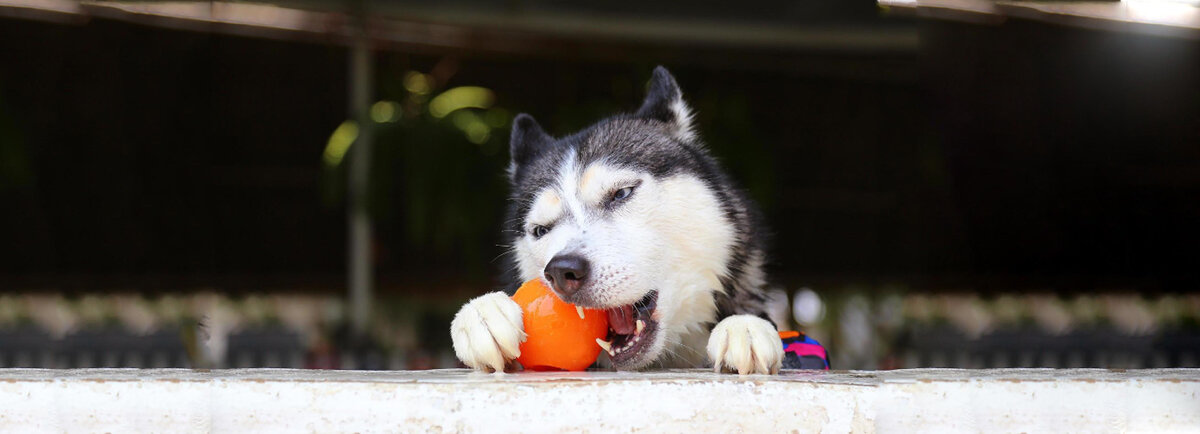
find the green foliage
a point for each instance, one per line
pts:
(437, 167)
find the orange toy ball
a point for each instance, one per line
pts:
(558, 339)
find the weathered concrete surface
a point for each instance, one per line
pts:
(274, 400)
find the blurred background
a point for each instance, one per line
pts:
(319, 184)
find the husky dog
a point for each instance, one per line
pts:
(632, 215)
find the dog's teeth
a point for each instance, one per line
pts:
(580, 310)
(640, 325)
(605, 344)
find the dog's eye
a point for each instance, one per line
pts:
(538, 231)
(622, 194)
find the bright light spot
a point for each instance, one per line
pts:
(385, 111)
(463, 119)
(1162, 12)
(807, 307)
(339, 143)
(472, 126)
(776, 306)
(478, 133)
(856, 327)
(418, 83)
(460, 98)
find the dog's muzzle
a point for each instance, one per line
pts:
(566, 274)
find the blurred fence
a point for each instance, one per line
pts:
(863, 330)
(964, 330)
(206, 330)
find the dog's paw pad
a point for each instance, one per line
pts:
(746, 344)
(487, 332)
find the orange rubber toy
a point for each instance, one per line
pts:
(561, 337)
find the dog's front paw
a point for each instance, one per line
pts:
(487, 332)
(747, 344)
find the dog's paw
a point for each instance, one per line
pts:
(746, 344)
(487, 332)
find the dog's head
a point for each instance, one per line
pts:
(627, 216)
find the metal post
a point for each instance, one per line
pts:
(358, 218)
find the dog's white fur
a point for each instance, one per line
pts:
(487, 332)
(669, 235)
(683, 120)
(728, 345)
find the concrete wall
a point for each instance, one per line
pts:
(273, 400)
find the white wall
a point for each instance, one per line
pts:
(272, 400)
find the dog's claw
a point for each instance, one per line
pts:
(510, 344)
(717, 345)
(487, 332)
(768, 363)
(746, 344)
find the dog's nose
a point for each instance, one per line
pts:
(566, 273)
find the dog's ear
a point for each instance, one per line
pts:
(528, 140)
(664, 103)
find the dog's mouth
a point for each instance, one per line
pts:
(631, 330)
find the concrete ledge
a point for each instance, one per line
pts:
(277, 400)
